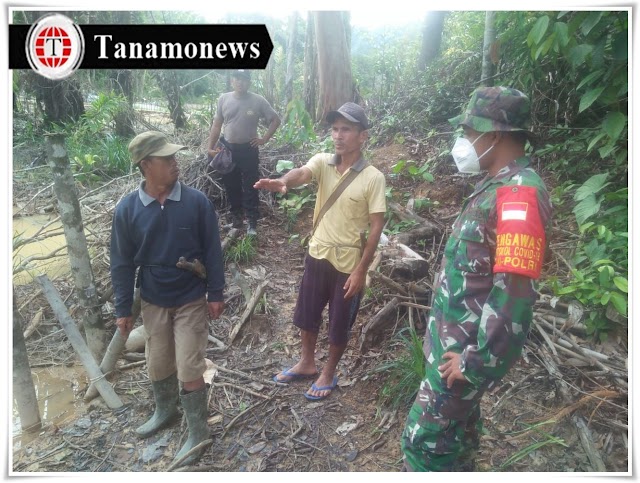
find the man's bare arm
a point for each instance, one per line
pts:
(295, 177)
(214, 135)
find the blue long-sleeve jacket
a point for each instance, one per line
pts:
(153, 237)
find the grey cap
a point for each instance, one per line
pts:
(351, 112)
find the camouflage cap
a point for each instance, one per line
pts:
(496, 109)
(151, 143)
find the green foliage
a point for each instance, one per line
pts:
(84, 167)
(404, 373)
(590, 49)
(600, 261)
(94, 152)
(242, 251)
(546, 439)
(394, 227)
(297, 128)
(413, 170)
(294, 202)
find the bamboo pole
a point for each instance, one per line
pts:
(106, 391)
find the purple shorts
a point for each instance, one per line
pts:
(321, 283)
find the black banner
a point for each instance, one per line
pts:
(162, 46)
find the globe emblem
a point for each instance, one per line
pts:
(55, 46)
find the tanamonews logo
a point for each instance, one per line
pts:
(55, 46)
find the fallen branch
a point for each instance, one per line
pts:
(587, 443)
(241, 281)
(377, 323)
(545, 336)
(124, 367)
(376, 276)
(373, 267)
(248, 376)
(415, 306)
(300, 424)
(192, 451)
(234, 420)
(583, 432)
(232, 235)
(35, 322)
(102, 385)
(249, 391)
(246, 315)
(79, 448)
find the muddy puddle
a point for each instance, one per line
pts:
(25, 227)
(58, 400)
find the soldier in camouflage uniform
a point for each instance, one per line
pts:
(484, 293)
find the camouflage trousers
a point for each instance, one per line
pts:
(431, 442)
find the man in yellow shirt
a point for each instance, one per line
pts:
(336, 266)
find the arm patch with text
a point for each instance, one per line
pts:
(520, 240)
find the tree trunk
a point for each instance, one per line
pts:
(23, 390)
(269, 87)
(168, 83)
(334, 62)
(122, 83)
(291, 57)
(69, 207)
(488, 49)
(61, 100)
(310, 68)
(431, 39)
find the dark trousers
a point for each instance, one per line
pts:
(239, 182)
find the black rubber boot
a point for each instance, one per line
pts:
(236, 220)
(165, 393)
(194, 405)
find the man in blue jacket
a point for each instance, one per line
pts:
(153, 227)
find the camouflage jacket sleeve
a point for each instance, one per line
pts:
(504, 325)
(508, 309)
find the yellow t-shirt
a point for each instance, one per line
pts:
(337, 238)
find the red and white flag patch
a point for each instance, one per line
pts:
(514, 211)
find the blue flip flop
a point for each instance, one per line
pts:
(323, 388)
(293, 375)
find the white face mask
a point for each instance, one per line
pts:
(465, 156)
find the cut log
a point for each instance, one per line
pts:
(106, 391)
(116, 346)
(385, 317)
(246, 315)
(411, 237)
(409, 252)
(136, 340)
(409, 269)
(406, 215)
